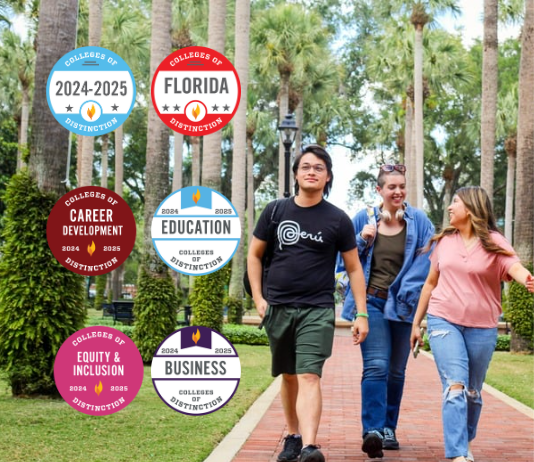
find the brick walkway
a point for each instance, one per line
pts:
(504, 433)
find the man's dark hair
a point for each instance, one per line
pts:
(321, 153)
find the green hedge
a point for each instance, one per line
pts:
(520, 312)
(41, 302)
(246, 335)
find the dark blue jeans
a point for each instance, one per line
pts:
(385, 353)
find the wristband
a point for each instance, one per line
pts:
(362, 315)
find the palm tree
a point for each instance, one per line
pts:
(285, 38)
(490, 74)
(155, 305)
(524, 216)
(95, 34)
(242, 25)
(20, 57)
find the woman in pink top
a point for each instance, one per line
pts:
(462, 294)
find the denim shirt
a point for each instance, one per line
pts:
(404, 291)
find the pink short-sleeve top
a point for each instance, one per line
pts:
(468, 292)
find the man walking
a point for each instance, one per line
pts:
(296, 297)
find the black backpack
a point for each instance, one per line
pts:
(276, 215)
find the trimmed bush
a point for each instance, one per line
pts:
(41, 302)
(503, 343)
(235, 310)
(246, 335)
(155, 312)
(207, 300)
(101, 281)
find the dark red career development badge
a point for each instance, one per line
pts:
(196, 91)
(91, 230)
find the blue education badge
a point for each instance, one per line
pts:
(91, 91)
(196, 230)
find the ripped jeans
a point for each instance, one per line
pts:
(462, 356)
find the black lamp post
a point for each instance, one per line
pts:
(288, 131)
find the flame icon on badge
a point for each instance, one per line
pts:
(196, 197)
(98, 388)
(196, 337)
(196, 111)
(91, 249)
(91, 112)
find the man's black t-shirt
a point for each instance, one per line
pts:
(307, 242)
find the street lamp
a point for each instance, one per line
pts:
(288, 131)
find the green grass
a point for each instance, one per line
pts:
(513, 374)
(43, 430)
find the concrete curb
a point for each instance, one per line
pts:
(226, 450)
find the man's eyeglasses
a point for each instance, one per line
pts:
(390, 167)
(319, 168)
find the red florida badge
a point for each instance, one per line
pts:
(196, 91)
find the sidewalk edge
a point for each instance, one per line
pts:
(226, 450)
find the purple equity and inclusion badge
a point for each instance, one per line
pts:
(196, 370)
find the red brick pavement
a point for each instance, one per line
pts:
(504, 434)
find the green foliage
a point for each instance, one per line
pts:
(100, 289)
(519, 311)
(235, 310)
(8, 154)
(41, 302)
(246, 335)
(503, 343)
(207, 300)
(155, 312)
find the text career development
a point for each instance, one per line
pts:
(82, 215)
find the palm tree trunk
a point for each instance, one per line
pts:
(195, 167)
(95, 34)
(250, 190)
(56, 37)
(178, 161)
(283, 109)
(409, 153)
(299, 119)
(104, 176)
(119, 160)
(239, 162)
(79, 154)
(211, 160)
(24, 118)
(509, 207)
(490, 74)
(524, 219)
(418, 115)
(157, 151)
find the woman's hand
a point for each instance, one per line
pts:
(368, 232)
(416, 336)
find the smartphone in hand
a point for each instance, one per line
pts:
(417, 344)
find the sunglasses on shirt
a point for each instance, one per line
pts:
(390, 167)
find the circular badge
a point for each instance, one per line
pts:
(196, 91)
(196, 230)
(91, 230)
(91, 91)
(196, 370)
(98, 370)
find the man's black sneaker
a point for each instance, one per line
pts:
(372, 444)
(292, 448)
(390, 441)
(311, 453)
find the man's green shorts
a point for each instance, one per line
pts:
(300, 338)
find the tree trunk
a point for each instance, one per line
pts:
(119, 160)
(239, 164)
(24, 119)
(95, 35)
(104, 176)
(524, 212)
(509, 208)
(79, 154)
(490, 74)
(250, 190)
(178, 161)
(282, 111)
(211, 160)
(418, 115)
(56, 37)
(195, 167)
(299, 119)
(411, 185)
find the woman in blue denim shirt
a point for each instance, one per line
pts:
(389, 239)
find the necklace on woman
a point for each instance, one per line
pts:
(469, 242)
